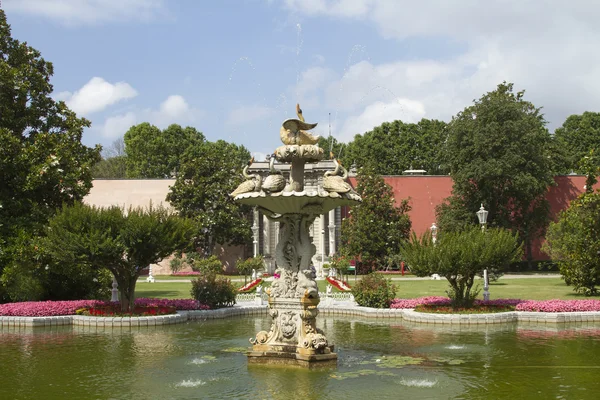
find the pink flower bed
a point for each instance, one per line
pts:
(186, 273)
(559, 305)
(520, 305)
(46, 308)
(55, 308)
(412, 303)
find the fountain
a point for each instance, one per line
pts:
(293, 297)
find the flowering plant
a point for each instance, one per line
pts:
(340, 285)
(55, 308)
(559, 305)
(445, 301)
(249, 286)
(110, 310)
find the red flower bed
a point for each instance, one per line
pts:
(112, 310)
(339, 285)
(249, 286)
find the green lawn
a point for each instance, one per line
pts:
(526, 288)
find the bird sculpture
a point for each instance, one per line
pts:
(275, 181)
(334, 183)
(293, 131)
(252, 184)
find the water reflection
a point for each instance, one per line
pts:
(382, 359)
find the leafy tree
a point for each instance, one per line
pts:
(376, 226)
(459, 256)
(331, 145)
(42, 161)
(394, 147)
(152, 153)
(124, 244)
(574, 242)
(245, 267)
(499, 155)
(209, 172)
(579, 135)
(114, 162)
(34, 275)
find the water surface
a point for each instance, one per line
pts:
(204, 360)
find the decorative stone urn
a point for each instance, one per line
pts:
(293, 297)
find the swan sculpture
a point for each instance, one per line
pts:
(275, 181)
(252, 184)
(332, 182)
(293, 131)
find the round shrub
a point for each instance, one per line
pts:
(374, 291)
(213, 291)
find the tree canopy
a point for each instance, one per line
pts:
(155, 153)
(579, 135)
(574, 242)
(394, 147)
(209, 171)
(376, 226)
(499, 155)
(43, 163)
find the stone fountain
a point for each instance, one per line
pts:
(293, 297)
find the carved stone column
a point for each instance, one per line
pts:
(255, 233)
(331, 227)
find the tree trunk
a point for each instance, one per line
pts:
(528, 253)
(127, 293)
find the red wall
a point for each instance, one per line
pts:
(425, 192)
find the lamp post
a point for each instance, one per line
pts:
(434, 230)
(482, 216)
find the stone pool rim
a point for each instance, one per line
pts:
(339, 310)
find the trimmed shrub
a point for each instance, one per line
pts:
(213, 291)
(374, 291)
(210, 265)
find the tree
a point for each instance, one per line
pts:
(376, 226)
(114, 162)
(152, 153)
(331, 145)
(43, 163)
(459, 256)
(574, 242)
(394, 147)
(579, 135)
(499, 155)
(125, 244)
(209, 171)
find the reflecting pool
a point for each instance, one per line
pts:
(380, 359)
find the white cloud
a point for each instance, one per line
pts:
(549, 50)
(115, 127)
(174, 110)
(379, 112)
(96, 95)
(88, 12)
(247, 114)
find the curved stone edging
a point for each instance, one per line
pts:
(343, 310)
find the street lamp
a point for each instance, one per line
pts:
(434, 230)
(482, 217)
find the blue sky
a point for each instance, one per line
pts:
(234, 69)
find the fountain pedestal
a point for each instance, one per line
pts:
(294, 338)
